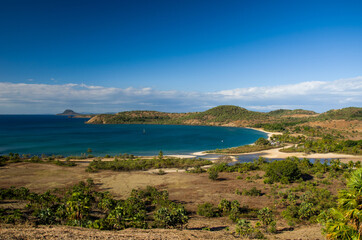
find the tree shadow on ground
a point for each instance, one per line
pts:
(212, 229)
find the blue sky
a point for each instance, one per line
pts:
(97, 56)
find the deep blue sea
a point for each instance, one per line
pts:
(60, 135)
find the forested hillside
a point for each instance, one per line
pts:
(341, 123)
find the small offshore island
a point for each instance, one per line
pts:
(153, 196)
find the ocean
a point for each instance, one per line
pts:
(60, 135)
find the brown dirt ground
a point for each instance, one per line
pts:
(186, 188)
(350, 129)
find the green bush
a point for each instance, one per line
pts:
(197, 169)
(235, 211)
(174, 216)
(251, 192)
(213, 174)
(224, 206)
(207, 210)
(262, 142)
(82, 206)
(284, 171)
(267, 218)
(245, 229)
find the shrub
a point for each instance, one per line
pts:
(160, 172)
(174, 216)
(197, 169)
(235, 211)
(267, 218)
(268, 181)
(306, 210)
(252, 192)
(213, 174)
(82, 206)
(284, 171)
(244, 228)
(262, 142)
(207, 210)
(224, 206)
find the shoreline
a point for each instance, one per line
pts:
(268, 133)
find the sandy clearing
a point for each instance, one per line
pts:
(275, 153)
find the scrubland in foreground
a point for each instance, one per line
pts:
(251, 185)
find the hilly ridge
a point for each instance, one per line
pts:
(225, 115)
(215, 116)
(342, 123)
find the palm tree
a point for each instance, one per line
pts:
(345, 221)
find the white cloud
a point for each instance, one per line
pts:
(46, 98)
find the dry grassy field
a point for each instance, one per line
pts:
(186, 188)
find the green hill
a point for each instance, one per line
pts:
(287, 112)
(225, 114)
(350, 113)
(228, 115)
(136, 117)
(214, 116)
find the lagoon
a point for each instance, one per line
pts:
(60, 135)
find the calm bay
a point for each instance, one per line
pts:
(60, 135)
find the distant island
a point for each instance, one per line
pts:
(71, 113)
(68, 112)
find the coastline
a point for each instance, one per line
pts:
(262, 130)
(275, 153)
(203, 153)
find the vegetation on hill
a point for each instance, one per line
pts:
(350, 113)
(287, 112)
(325, 144)
(136, 117)
(259, 145)
(220, 114)
(83, 206)
(287, 121)
(226, 114)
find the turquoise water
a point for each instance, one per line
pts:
(49, 134)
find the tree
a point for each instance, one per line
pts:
(267, 218)
(344, 222)
(284, 171)
(160, 155)
(262, 142)
(213, 174)
(174, 216)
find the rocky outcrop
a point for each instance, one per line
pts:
(68, 112)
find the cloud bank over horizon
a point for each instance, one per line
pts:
(33, 98)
